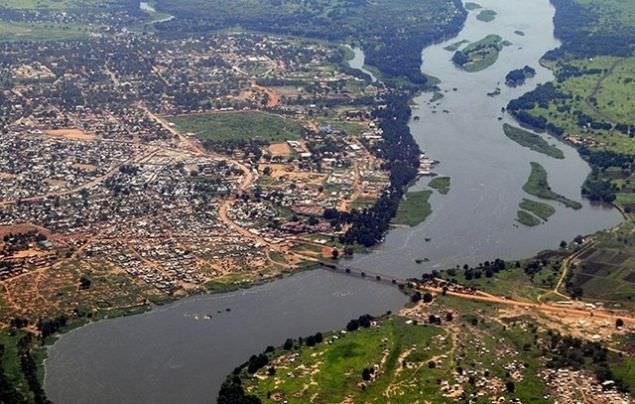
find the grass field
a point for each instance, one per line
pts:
(441, 184)
(331, 371)
(537, 185)
(414, 209)
(540, 209)
(532, 141)
(10, 31)
(227, 126)
(486, 15)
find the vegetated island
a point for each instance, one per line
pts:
(527, 219)
(472, 6)
(540, 209)
(517, 77)
(530, 212)
(538, 186)
(479, 55)
(456, 45)
(413, 209)
(519, 33)
(441, 184)
(486, 15)
(532, 141)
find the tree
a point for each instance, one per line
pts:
(563, 244)
(619, 323)
(510, 386)
(335, 253)
(427, 297)
(288, 344)
(366, 374)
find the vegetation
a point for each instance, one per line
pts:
(486, 15)
(441, 184)
(527, 219)
(414, 209)
(390, 45)
(538, 186)
(228, 126)
(540, 209)
(532, 141)
(517, 77)
(479, 55)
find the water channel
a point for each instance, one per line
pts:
(174, 354)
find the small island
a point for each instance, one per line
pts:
(441, 184)
(518, 77)
(479, 55)
(472, 6)
(532, 141)
(486, 15)
(538, 186)
(527, 219)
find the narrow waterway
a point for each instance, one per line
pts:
(174, 354)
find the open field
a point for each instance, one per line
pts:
(414, 209)
(538, 186)
(532, 141)
(227, 126)
(16, 31)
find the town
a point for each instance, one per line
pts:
(180, 167)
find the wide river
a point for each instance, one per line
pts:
(173, 354)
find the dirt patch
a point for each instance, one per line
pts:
(286, 172)
(7, 176)
(70, 134)
(85, 167)
(280, 149)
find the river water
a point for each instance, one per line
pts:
(173, 354)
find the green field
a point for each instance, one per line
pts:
(537, 185)
(332, 370)
(532, 141)
(527, 218)
(414, 209)
(441, 184)
(540, 209)
(228, 126)
(479, 55)
(13, 31)
(486, 16)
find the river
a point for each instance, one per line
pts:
(173, 354)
